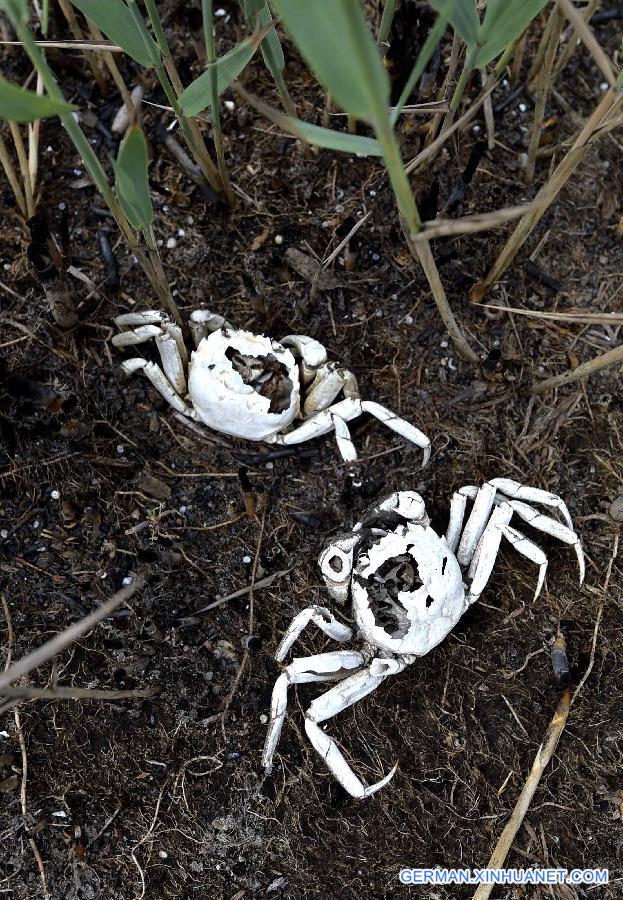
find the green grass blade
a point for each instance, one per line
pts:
(197, 96)
(115, 19)
(19, 105)
(464, 19)
(335, 140)
(335, 41)
(17, 10)
(131, 179)
(271, 46)
(504, 21)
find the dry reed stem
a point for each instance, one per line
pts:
(548, 193)
(54, 646)
(611, 358)
(543, 83)
(542, 759)
(589, 40)
(572, 44)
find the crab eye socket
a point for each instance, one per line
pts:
(336, 565)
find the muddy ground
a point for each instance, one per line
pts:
(164, 797)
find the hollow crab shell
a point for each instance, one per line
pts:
(431, 610)
(214, 384)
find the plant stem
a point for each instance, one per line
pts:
(470, 61)
(411, 225)
(90, 160)
(387, 18)
(399, 179)
(544, 80)
(594, 126)
(422, 250)
(172, 85)
(11, 174)
(611, 358)
(91, 57)
(164, 290)
(23, 166)
(208, 32)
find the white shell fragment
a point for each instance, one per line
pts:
(409, 588)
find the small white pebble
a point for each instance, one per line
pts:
(4, 534)
(279, 239)
(6, 267)
(60, 814)
(372, 193)
(263, 719)
(181, 232)
(269, 465)
(230, 105)
(49, 149)
(55, 495)
(324, 225)
(127, 580)
(339, 208)
(120, 449)
(163, 854)
(246, 560)
(183, 509)
(190, 220)
(171, 243)
(476, 129)
(603, 86)
(219, 13)
(443, 344)
(522, 107)
(62, 206)
(505, 83)
(408, 320)
(77, 172)
(165, 208)
(375, 257)
(35, 524)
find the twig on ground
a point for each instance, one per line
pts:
(610, 358)
(22, 746)
(543, 757)
(27, 692)
(254, 586)
(245, 656)
(52, 647)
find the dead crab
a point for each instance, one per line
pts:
(409, 587)
(251, 386)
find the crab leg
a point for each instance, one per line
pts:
(311, 353)
(551, 526)
(458, 504)
(158, 379)
(326, 706)
(487, 550)
(323, 667)
(171, 361)
(484, 501)
(350, 409)
(203, 322)
(322, 618)
(516, 491)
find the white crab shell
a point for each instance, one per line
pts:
(220, 397)
(432, 610)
